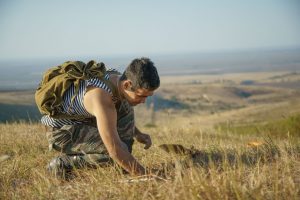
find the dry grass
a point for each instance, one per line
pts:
(23, 175)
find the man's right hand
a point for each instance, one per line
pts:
(144, 139)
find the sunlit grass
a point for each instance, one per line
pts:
(285, 127)
(23, 175)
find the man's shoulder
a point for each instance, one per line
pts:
(97, 98)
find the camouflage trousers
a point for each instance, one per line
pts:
(81, 143)
(84, 142)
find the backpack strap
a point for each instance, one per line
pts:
(82, 71)
(109, 84)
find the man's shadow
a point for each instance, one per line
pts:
(255, 153)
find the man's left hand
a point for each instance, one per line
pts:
(144, 139)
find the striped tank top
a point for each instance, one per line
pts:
(76, 106)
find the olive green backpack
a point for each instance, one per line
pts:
(57, 80)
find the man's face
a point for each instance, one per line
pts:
(138, 96)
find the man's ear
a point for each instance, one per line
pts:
(127, 84)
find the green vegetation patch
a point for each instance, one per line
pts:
(288, 127)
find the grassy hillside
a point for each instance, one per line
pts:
(23, 174)
(242, 137)
(287, 127)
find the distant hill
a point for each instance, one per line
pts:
(199, 94)
(18, 106)
(15, 113)
(26, 74)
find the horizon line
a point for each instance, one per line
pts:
(126, 55)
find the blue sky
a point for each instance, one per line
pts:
(62, 28)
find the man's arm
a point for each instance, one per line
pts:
(99, 103)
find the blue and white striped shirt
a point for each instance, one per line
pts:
(76, 106)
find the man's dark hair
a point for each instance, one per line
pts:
(142, 73)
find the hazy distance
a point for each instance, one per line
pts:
(26, 73)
